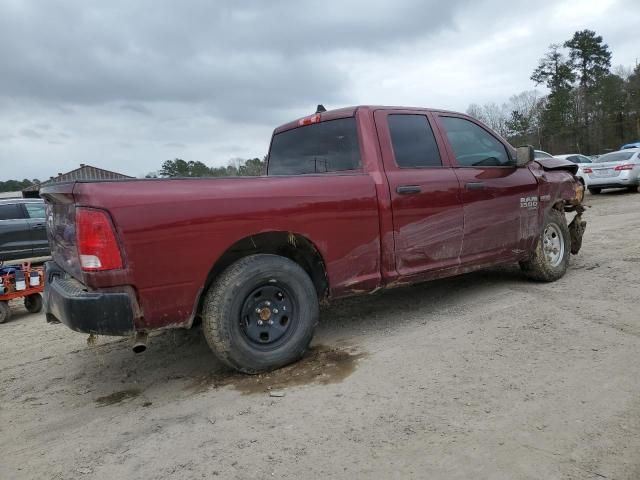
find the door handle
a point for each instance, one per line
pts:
(408, 189)
(38, 225)
(474, 186)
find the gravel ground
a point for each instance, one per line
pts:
(486, 375)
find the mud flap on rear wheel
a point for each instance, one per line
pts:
(576, 231)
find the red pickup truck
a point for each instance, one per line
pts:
(354, 200)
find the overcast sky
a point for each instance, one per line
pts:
(125, 85)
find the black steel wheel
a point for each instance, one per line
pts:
(260, 313)
(266, 315)
(33, 303)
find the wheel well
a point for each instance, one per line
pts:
(286, 244)
(559, 205)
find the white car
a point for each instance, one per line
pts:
(583, 162)
(537, 154)
(575, 158)
(619, 169)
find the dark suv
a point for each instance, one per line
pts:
(22, 229)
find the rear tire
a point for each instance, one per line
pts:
(5, 312)
(33, 303)
(594, 190)
(634, 189)
(550, 258)
(261, 313)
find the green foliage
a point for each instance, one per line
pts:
(16, 185)
(590, 58)
(237, 167)
(588, 108)
(554, 70)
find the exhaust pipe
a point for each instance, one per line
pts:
(140, 342)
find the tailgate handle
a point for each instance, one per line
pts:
(408, 189)
(474, 186)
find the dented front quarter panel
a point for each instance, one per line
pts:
(554, 186)
(559, 188)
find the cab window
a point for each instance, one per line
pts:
(473, 146)
(35, 210)
(414, 145)
(10, 211)
(330, 146)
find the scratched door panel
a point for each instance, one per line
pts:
(427, 209)
(492, 190)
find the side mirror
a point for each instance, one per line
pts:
(524, 155)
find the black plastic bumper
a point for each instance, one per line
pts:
(68, 301)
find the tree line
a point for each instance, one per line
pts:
(16, 185)
(589, 108)
(236, 167)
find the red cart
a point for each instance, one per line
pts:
(25, 282)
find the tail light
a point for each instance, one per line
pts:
(624, 167)
(97, 244)
(588, 170)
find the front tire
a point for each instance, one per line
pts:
(633, 189)
(550, 259)
(594, 190)
(261, 313)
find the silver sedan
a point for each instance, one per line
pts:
(615, 170)
(583, 162)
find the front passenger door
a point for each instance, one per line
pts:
(500, 200)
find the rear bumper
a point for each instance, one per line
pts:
(103, 313)
(614, 182)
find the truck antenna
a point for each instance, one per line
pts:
(320, 109)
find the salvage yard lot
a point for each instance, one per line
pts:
(486, 375)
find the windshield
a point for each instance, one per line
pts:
(540, 154)
(615, 157)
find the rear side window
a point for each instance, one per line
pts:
(10, 212)
(413, 142)
(35, 210)
(615, 157)
(538, 154)
(474, 146)
(324, 147)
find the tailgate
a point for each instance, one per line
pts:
(61, 226)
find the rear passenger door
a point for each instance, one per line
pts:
(15, 232)
(500, 200)
(427, 209)
(36, 220)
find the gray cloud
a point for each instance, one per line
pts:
(30, 133)
(134, 107)
(262, 54)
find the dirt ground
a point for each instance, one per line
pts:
(484, 376)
